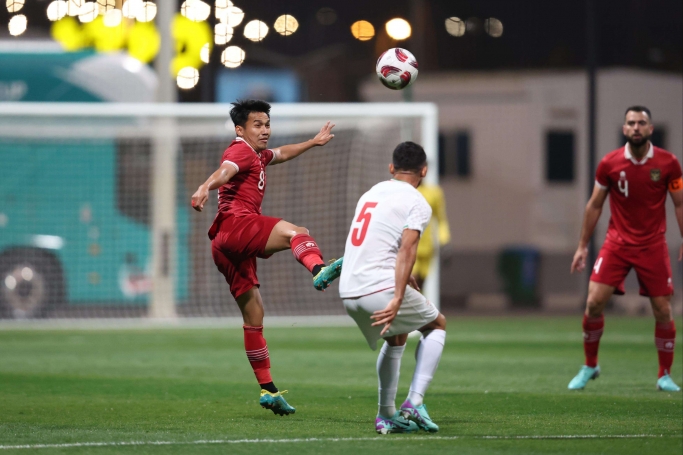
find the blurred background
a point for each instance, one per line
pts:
(94, 220)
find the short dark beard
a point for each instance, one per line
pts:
(642, 141)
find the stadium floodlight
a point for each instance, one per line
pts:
(113, 18)
(286, 25)
(74, 7)
(187, 78)
(362, 30)
(222, 33)
(17, 25)
(106, 5)
(255, 30)
(205, 53)
(493, 27)
(231, 15)
(131, 8)
(195, 10)
(89, 12)
(455, 26)
(220, 4)
(147, 13)
(57, 10)
(14, 5)
(398, 29)
(232, 56)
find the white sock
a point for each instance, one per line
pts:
(428, 356)
(388, 369)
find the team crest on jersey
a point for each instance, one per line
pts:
(655, 175)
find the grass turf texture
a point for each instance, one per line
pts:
(498, 377)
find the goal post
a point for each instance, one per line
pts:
(95, 203)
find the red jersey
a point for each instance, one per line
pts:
(637, 191)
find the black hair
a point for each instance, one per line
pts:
(409, 156)
(639, 109)
(242, 108)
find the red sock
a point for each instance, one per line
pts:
(665, 339)
(257, 353)
(306, 251)
(592, 331)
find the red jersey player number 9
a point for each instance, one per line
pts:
(364, 217)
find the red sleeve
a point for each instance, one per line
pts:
(267, 156)
(602, 174)
(675, 181)
(240, 157)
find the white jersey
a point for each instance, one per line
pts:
(375, 236)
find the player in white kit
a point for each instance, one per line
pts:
(380, 252)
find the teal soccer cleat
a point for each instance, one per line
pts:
(419, 415)
(585, 374)
(276, 403)
(396, 424)
(666, 384)
(328, 274)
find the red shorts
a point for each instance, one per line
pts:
(651, 262)
(237, 242)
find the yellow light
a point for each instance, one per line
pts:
(74, 7)
(493, 27)
(205, 53)
(232, 56)
(222, 34)
(286, 25)
(398, 29)
(455, 26)
(106, 5)
(362, 30)
(17, 25)
(113, 18)
(14, 5)
(195, 10)
(57, 10)
(88, 12)
(230, 15)
(255, 30)
(187, 77)
(147, 13)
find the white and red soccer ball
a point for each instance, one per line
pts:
(397, 68)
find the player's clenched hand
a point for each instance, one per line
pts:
(199, 198)
(579, 261)
(387, 315)
(325, 135)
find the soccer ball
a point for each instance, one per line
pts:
(396, 68)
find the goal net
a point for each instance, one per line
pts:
(95, 215)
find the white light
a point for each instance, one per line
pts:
(195, 10)
(187, 77)
(27, 274)
(222, 34)
(398, 28)
(455, 26)
(74, 7)
(10, 282)
(221, 4)
(89, 12)
(147, 13)
(49, 242)
(231, 15)
(205, 53)
(255, 30)
(132, 64)
(106, 5)
(493, 27)
(232, 56)
(14, 5)
(17, 25)
(286, 25)
(132, 8)
(113, 18)
(57, 10)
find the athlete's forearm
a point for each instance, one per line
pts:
(405, 260)
(590, 220)
(218, 178)
(291, 151)
(678, 210)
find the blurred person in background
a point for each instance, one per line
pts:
(637, 178)
(433, 194)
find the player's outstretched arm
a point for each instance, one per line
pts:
(405, 260)
(219, 178)
(289, 152)
(590, 220)
(677, 198)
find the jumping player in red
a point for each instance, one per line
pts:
(240, 234)
(637, 178)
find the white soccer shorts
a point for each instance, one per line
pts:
(415, 312)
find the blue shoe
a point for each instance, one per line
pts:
(396, 424)
(419, 415)
(276, 403)
(328, 274)
(585, 374)
(667, 384)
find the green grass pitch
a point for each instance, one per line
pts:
(501, 388)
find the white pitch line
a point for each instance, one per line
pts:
(279, 441)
